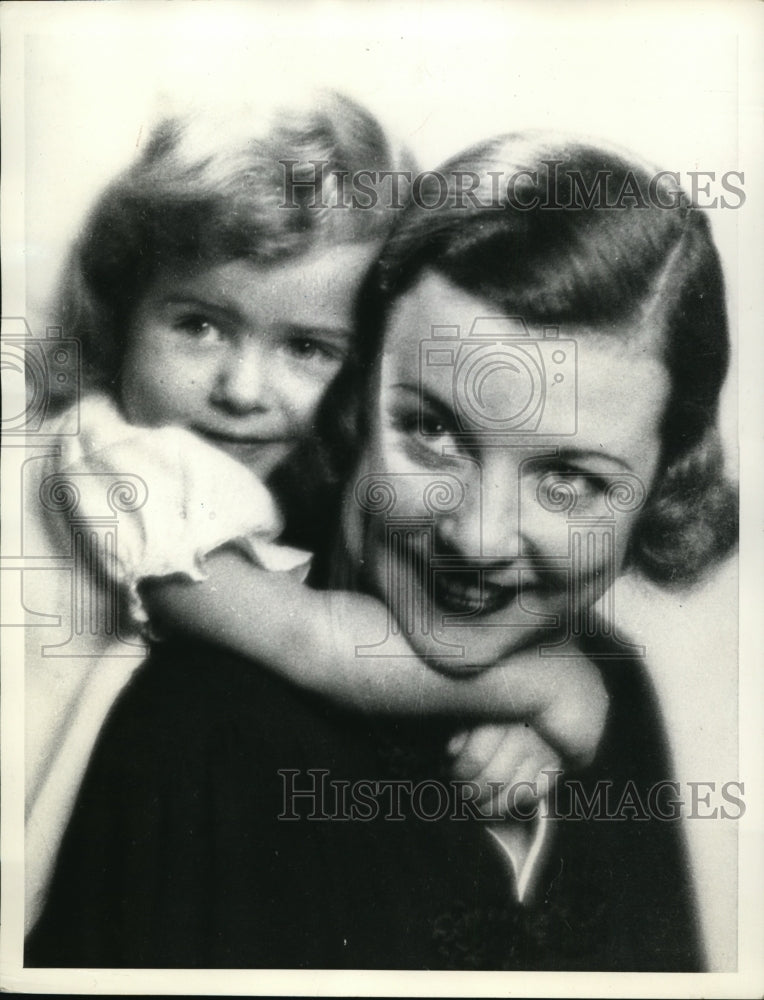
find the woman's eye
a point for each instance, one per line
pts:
(432, 426)
(581, 487)
(420, 425)
(588, 484)
(427, 434)
(199, 327)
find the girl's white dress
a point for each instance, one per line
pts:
(111, 505)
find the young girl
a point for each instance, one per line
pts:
(175, 856)
(211, 290)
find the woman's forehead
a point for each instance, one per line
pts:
(604, 389)
(436, 308)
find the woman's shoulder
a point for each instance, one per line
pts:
(635, 743)
(175, 721)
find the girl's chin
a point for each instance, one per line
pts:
(262, 458)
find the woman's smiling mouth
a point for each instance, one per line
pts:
(466, 594)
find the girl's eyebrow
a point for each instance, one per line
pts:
(339, 333)
(204, 305)
(234, 314)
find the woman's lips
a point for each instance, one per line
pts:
(468, 590)
(459, 594)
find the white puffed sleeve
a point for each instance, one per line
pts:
(176, 498)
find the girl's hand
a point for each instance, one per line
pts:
(508, 763)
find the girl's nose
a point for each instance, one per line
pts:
(244, 384)
(488, 523)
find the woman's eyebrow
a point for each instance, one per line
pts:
(428, 401)
(591, 454)
(565, 452)
(424, 395)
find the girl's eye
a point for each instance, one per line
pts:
(311, 349)
(303, 347)
(199, 327)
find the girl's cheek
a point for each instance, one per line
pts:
(302, 393)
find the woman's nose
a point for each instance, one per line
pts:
(244, 384)
(488, 522)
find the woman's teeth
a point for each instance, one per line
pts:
(454, 594)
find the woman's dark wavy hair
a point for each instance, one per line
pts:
(206, 191)
(586, 258)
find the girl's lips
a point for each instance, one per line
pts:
(236, 439)
(244, 447)
(261, 455)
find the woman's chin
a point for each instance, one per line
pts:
(456, 667)
(465, 651)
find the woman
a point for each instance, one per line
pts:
(545, 377)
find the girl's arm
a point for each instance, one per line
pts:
(310, 638)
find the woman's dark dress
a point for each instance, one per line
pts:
(176, 857)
